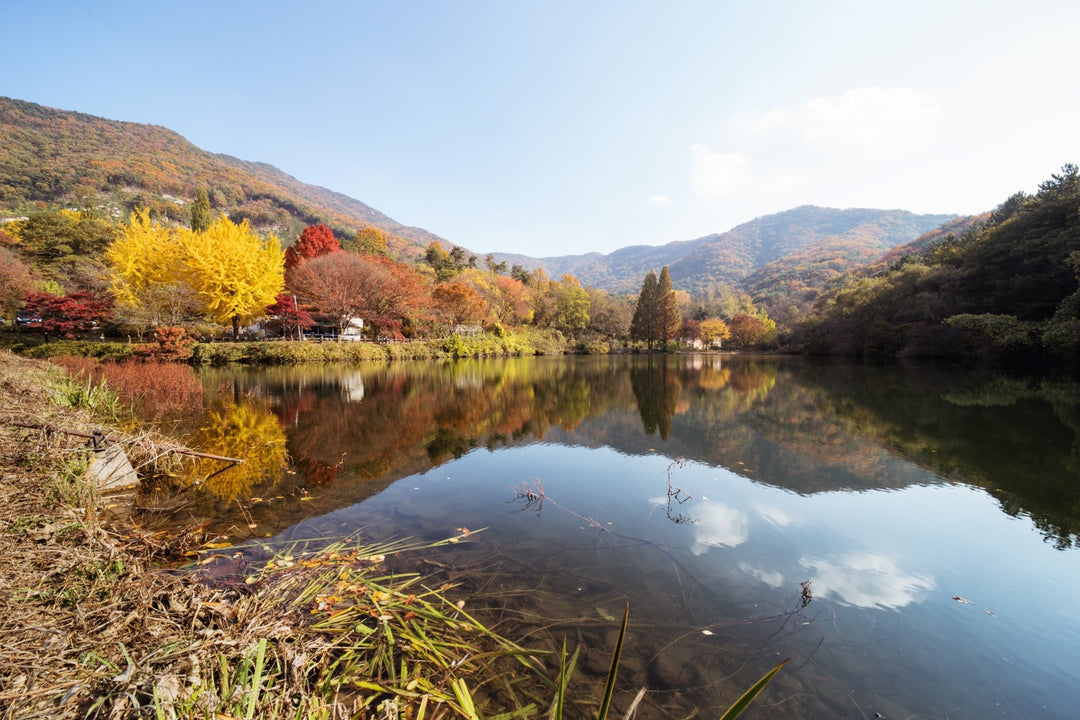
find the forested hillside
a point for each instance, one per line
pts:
(50, 157)
(1006, 286)
(772, 257)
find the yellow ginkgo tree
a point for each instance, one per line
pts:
(147, 279)
(235, 273)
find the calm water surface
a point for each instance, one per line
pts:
(933, 515)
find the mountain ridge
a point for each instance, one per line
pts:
(62, 156)
(804, 234)
(48, 155)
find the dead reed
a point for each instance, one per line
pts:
(153, 389)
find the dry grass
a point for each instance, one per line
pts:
(155, 389)
(90, 628)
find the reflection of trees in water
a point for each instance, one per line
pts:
(803, 426)
(411, 417)
(1017, 438)
(657, 389)
(246, 430)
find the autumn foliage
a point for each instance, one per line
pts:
(287, 311)
(343, 285)
(314, 241)
(235, 273)
(67, 315)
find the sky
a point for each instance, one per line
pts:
(550, 128)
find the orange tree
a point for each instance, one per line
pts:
(714, 331)
(343, 285)
(457, 302)
(16, 281)
(747, 330)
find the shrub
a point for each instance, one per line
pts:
(155, 388)
(415, 350)
(171, 344)
(216, 353)
(80, 348)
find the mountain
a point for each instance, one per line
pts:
(796, 249)
(1005, 287)
(57, 156)
(50, 157)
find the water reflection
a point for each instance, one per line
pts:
(880, 487)
(804, 427)
(866, 580)
(772, 578)
(717, 525)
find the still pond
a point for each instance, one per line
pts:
(907, 536)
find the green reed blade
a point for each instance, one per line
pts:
(748, 697)
(609, 690)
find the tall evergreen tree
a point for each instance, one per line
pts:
(668, 317)
(200, 211)
(643, 326)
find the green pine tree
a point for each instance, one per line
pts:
(643, 326)
(200, 211)
(668, 317)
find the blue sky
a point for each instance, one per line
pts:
(554, 127)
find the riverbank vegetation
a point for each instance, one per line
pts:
(1003, 286)
(76, 274)
(1007, 288)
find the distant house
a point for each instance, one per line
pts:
(467, 330)
(354, 330)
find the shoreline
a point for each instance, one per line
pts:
(95, 626)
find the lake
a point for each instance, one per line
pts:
(906, 536)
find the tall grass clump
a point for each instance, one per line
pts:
(526, 342)
(566, 671)
(94, 397)
(329, 633)
(154, 389)
(411, 350)
(277, 352)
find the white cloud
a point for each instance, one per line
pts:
(717, 525)
(764, 122)
(769, 577)
(867, 115)
(714, 174)
(859, 117)
(660, 200)
(866, 147)
(867, 580)
(773, 515)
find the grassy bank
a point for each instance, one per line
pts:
(278, 352)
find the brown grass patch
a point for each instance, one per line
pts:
(153, 389)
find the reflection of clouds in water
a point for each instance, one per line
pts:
(769, 577)
(773, 515)
(717, 525)
(866, 580)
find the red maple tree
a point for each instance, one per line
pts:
(385, 294)
(314, 241)
(66, 315)
(288, 312)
